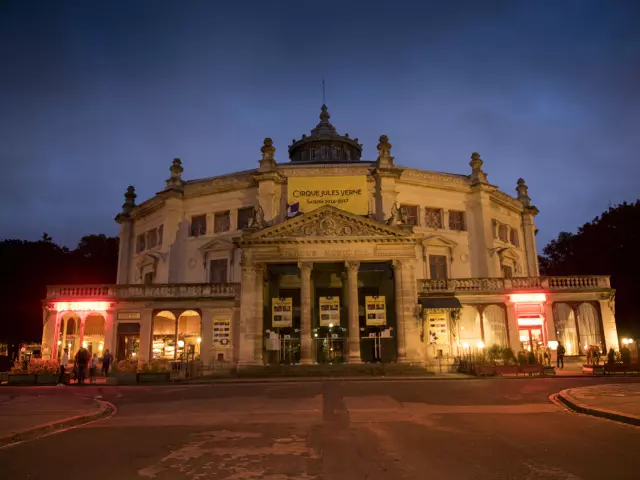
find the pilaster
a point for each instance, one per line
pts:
(550, 322)
(352, 309)
(514, 331)
(173, 217)
(408, 297)
(258, 313)
(400, 320)
(483, 265)
(246, 349)
(206, 334)
(387, 193)
(49, 333)
(125, 251)
(109, 325)
(306, 357)
(146, 329)
(610, 331)
(529, 233)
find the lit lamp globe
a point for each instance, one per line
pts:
(180, 343)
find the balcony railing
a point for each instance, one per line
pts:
(132, 292)
(497, 285)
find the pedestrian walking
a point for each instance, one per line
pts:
(107, 360)
(93, 368)
(561, 351)
(64, 361)
(81, 360)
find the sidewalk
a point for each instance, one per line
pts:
(620, 402)
(30, 416)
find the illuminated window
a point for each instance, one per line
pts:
(244, 217)
(221, 222)
(198, 226)
(218, 271)
(456, 220)
(437, 267)
(410, 214)
(433, 217)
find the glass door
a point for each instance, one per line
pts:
(531, 339)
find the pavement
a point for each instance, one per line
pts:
(619, 402)
(477, 429)
(25, 417)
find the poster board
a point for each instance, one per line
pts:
(438, 328)
(329, 311)
(221, 332)
(282, 312)
(376, 310)
(347, 192)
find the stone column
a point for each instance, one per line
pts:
(206, 334)
(610, 332)
(258, 314)
(109, 324)
(400, 318)
(83, 320)
(246, 339)
(305, 313)
(64, 334)
(126, 246)
(514, 330)
(146, 329)
(409, 298)
(354, 321)
(49, 334)
(550, 321)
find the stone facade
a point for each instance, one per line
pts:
(200, 262)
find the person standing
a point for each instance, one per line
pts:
(93, 368)
(81, 364)
(561, 351)
(107, 360)
(64, 361)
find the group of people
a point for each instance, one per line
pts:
(83, 363)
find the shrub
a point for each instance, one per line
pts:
(154, 366)
(522, 357)
(40, 366)
(625, 355)
(531, 358)
(18, 367)
(127, 365)
(494, 353)
(508, 355)
(611, 356)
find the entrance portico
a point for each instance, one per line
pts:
(325, 259)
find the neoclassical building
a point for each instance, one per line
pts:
(328, 258)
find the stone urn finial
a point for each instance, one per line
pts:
(129, 200)
(477, 174)
(175, 180)
(268, 161)
(384, 152)
(523, 193)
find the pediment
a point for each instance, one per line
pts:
(150, 259)
(328, 222)
(217, 245)
(438, 241)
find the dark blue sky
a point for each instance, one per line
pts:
(96, 97)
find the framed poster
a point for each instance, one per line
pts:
(438, 328)
(329, 311)
(282, 312)
(221, 332)
(376, 310)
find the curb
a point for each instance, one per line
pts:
(567, 399)
(106, 410)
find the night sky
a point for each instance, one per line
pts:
(96, 97)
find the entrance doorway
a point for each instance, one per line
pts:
(128, 340)
(531, 339)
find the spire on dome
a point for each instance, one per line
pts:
(324, 127)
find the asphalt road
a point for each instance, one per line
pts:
(374, 429)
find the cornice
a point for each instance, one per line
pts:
(506, 201)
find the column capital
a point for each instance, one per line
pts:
(396, 264)
(305, 266)
(352, 265)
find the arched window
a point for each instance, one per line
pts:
(565, 322)
(495, 326)
(589, 325)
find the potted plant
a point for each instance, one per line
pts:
(153, 372)
(46, 371)
(124, 372)
(527, 363)
(20, 376)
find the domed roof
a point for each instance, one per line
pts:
(325, 145)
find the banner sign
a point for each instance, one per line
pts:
(348, 193)
(438, 331)
(282, 312)
(129, 315)
(329, 311)
(376, 310)
(221, 333)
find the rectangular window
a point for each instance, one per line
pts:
(338, 152)
(140, 244)
(160, 232)
(152, 238)
(437, 267)
(324, 152)
(433, 217)
(244, 217)
(456, 220)
(503, 233)
(513, 237)
(494, 229)
(198, 226)
(312, 154)
(221, 222)
(507, 271)
(409, 214)
(218, 271)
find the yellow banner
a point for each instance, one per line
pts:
(376, 310)
(329, 311)
(281, 312)
(348, 193)
(438, 331)
(221, 332)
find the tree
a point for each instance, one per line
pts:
(608, 245)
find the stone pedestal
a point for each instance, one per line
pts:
(352, 309)
(305, 313)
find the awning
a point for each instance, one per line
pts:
(440, 302)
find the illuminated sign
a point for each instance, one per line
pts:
(345, 192)
(530, 321)
(528, 297)
(81, 306)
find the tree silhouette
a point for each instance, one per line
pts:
(608, 245)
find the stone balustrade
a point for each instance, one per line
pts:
(503, 285)
(133, 292)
